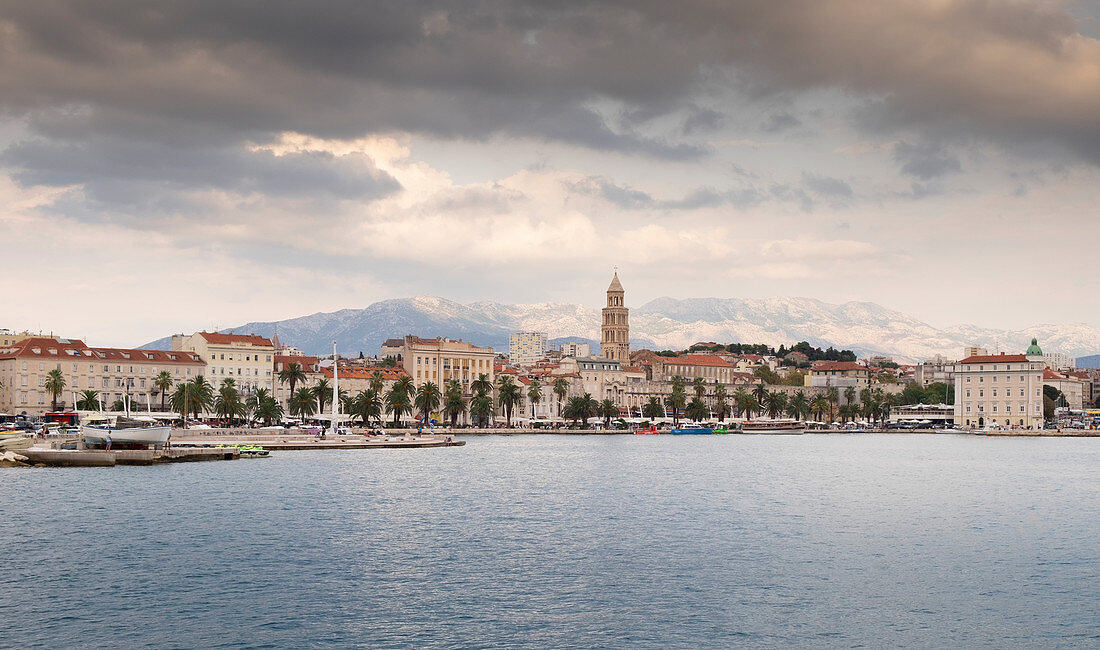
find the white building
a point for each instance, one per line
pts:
(1059, 361)
(574, 349)
(999, 390)
(527, 347)
(246, 358)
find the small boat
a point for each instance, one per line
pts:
(651, 430)
(692, 429)
(774, 427)
(127, 431)
(16, 442)
(721, 430)
(253, 451)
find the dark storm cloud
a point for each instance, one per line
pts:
(593, 74)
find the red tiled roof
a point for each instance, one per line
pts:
(47, 348)
(831, 366)
(699, 360)
(995, 358)
(215, 337)
(366, 372)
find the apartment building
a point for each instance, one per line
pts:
(111, 372)
(527, 348)
(999, 390)
(246, 358)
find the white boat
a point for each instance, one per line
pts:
(127, 431)
(16, 442)
(774, 427)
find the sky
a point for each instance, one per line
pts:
(179, 166)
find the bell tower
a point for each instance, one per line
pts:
(615, 329)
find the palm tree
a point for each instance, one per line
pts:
(581, 407)
(697, 409)
(699, 385)
(676, 401)
(302, 403)
(453, 404)
(228, 402)
(201, 395)
(377, 382)
(253, 402)
(292, 374)
(561, 388)
(397, 400)
(322, 392)
(481, 407)
(740, 398)
(481, 384)
(760, 392)
(818, 406)
(163, 383)
(832, 395)
(268, 408)
(367, 404)
(850, 395)
(534, 394)
(509, 396)
(775, 403)
(720, 406)
(608, 409)
(427, 400)
(653, 409)
(88, 401)
(798, 407)
(54, 384)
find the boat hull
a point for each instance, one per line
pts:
(135, 436)
(774, 428)
(691, 431)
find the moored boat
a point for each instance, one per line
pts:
(127, 431)
(692, 429)
(647, 431)
(773, 427)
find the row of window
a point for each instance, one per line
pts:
(240, 357)
(1007, 409)
(1008, 392)
(981, 379)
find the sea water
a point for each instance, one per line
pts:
(567, 542)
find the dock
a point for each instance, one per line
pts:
(101, 458)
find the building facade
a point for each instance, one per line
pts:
(246, 358)
(527, 347)
(999, 390)
(574, 349)
(440, 360)
(839, 374)
(113, 373)
(615, 328)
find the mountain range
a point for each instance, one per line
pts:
(664, 323)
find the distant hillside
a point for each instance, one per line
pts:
(865, 328)
(1091, 361)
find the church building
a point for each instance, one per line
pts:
(615, 329)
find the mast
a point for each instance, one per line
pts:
(335, 391)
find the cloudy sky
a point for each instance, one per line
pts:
(185, 165)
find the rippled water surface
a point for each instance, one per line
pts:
(560, 541)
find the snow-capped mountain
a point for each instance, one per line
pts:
(864, 327)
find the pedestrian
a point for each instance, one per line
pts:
(107, 439)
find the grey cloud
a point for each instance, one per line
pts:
(780, 122)
(925, 161)
(827, 186)
(632, 199)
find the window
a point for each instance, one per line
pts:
(41, 365)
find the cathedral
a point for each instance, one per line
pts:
(615, 329)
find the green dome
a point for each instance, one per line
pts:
(1034, 349)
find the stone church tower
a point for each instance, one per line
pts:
(615, 330)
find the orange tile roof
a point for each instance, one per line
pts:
(366, 372)
(75, 349)
(215, 337)
(699, 360)
(995, 358)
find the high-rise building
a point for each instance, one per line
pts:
(527, 347)
(615, 329)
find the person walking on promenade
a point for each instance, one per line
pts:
(107, 439)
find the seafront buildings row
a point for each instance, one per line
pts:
(989, 389)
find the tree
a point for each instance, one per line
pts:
(192, 397)
(720, 406)
(302, 403)
(581, 407)
(366, 405)
(699, 385)
(509, 396)
(228, 402)
(760, 392)
(653, 409)
(608, 409)
(832, 395)
(482, 384)
(534, 394)
(397, 400)
(88, 401)
(377, 382)
(850, 395)
(561, 388)
(697, 410)
(427, 400)
(818, 406)
(163, 383)
(677, 400)
(322, 392)
(766, 375)
(481, 406)
(388, 362)
(798, 407)
(268, 409)
(54, 384)
(453, 404)
(118, 405)
(292, 374)
(775, 403)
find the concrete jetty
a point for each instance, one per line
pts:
(101, 458)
